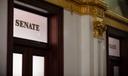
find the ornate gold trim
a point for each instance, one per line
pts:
(95, 8)
(82, 7)
(98, 27)
(116, 21)
(116, 16)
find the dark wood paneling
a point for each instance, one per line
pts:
(124, 57)
(10, 38)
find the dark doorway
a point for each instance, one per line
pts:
(29, 51)
(117, 52)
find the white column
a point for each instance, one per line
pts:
(103, 54)
(86, 46)
(99, 57)
(84, 55)
(93, 50)
(72, 52)
(96, 56)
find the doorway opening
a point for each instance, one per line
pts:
(35, 39)
(117, 52)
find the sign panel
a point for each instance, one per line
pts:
(31, 26)
(114, 47)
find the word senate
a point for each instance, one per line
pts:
(27, 25)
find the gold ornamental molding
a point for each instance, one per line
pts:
(82, 7)
(116, 20)
(95, 8)
(116, 16)
(99, 27)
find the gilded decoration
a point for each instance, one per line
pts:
(82, 7)
(116, 16)
(97, 9)
(99, 28)
(116, 20)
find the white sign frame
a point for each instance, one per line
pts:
(114, 47)
(36, 28)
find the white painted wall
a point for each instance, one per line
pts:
(3, 37)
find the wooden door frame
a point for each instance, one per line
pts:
(116, 33)
(55, 36)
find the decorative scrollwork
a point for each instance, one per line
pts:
(99, 28)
